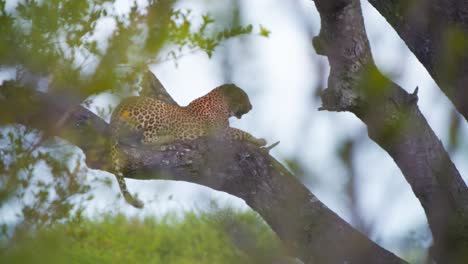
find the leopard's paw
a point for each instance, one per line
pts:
(259, 141)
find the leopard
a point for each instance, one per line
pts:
(160, 123)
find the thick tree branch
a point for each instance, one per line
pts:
(436, 31)
(308, 228)
(395, 123)
(152, 87)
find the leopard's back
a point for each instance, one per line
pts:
(155, 118)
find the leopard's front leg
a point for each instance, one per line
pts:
(237, 134)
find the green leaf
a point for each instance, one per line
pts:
(264, 31)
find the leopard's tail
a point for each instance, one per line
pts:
(117, 170)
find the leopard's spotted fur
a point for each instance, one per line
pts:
(161, 123)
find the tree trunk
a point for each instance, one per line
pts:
(436, 31)
(395, 123)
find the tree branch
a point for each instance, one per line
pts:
(307, 227)
(436, 31)
(152, 87)
(395, 123)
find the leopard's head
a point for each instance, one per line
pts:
(237, 100)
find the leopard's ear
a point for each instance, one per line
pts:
(237, 100)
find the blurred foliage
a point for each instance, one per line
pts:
(454, 131)
(296, 167)
(91, 47)
(205, 238)
(44, 198)
(264, 31)
(200, 39)
(415, 244)
(455, 44)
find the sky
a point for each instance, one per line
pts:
(280, 74)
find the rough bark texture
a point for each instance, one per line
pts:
(395, 123)
(436, 31)
(308, 228)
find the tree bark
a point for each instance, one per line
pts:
(436, 31)
(395, 123)
(307, 227)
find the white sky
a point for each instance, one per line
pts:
(279, 74)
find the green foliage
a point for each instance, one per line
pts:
(201, 39)
(205, 238)
(83, 44)
(264, 32)
(19, 180)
